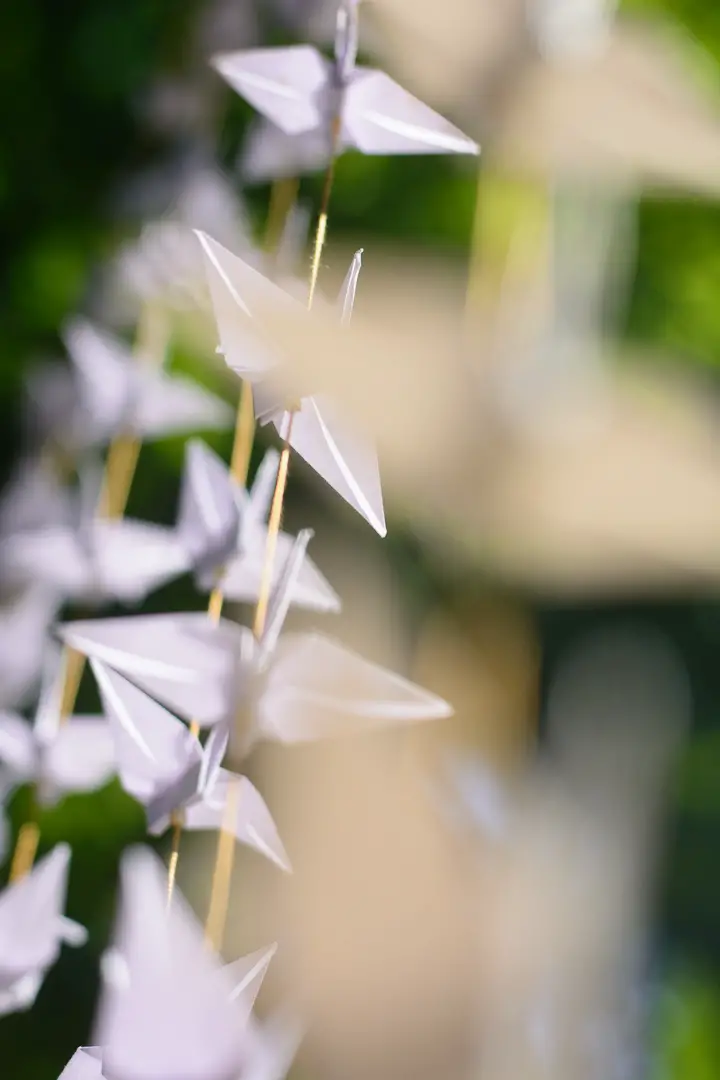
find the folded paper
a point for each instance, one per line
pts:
(163, 765)
(174, 1014)
(65, 758)
(325, 439)
(33, 928)
(289, 688)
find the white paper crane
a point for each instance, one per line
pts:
(163, 765)
(302, 93)
(174, 1015)
(290, 689)
(33, 928)
(119, 395)
(327, 442)
(270, 1047)
(237, 568)
(96, 559)
(246, 975)
(59, 759)
(24, 630)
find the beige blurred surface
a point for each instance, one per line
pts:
(612, 486)
(636, 102)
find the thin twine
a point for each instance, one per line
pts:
(282, 199)
(239, 468)
(225, 857)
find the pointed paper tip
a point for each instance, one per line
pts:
(219, 61)
(60, 853)
(202, 236)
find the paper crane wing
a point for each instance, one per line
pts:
(82, 756)
(24, 629)
(175, 1017)
(173, 405)
(51, 555)
(133, 558)
(379, 117)
(17, 748)
(318, 688)
(181, 660)
(237, 291)
(348, 290)
(252, 824)
(105, 370)
(270, 153)
(247, 974)
(340, 456)
(260, 495)
(46, 722)
(209, 517)
(32, 926)
(281, 595)
(85, 1064)
(158, 759)
(21, 994)
(242, 577)
(285, 85)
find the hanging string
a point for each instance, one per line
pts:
(239, 469)
(225, 857)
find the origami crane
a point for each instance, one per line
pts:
(111, 393)
(123, 559)
(237, 567)
(163, 765)
(304, 94)
(32, 929)
(291, 689)
(24, 632)
(59, 759)
(173, 1012)
(247, 975)
(269, 1048)
(326, 441)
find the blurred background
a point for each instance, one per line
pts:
(110, 115)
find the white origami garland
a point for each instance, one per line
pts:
(170, 1008)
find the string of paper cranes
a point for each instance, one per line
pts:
(186, 696)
